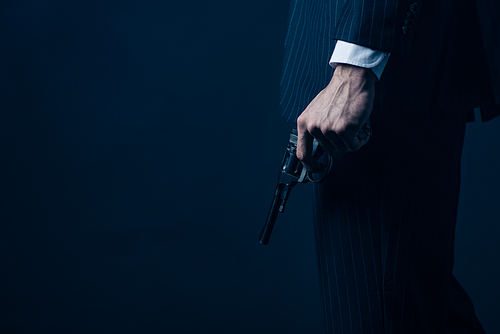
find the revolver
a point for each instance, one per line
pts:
(291, 173)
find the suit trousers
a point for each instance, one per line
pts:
(384, 225)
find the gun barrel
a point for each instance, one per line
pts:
(266, 231)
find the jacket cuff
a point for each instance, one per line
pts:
(357, 55)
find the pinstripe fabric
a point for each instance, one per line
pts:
(305, 65)
(418, 80)
(385, 220)
(377, 24)
(385, 225)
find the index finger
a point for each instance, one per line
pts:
(304, 151)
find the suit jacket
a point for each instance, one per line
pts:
(443, 55)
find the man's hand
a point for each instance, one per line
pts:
(337, 114)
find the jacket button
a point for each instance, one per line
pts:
(408, 22)
(410, 15)
(414, 7)
(406, 30)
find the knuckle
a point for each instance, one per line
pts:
(301, 122)
(300, 155)
(342, 131)
(326, 129)
(314, 130)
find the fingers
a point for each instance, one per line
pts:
(343, 140)
(339, 137)
(354, 143)
(305, 148)
(354, 139)
(335, 140)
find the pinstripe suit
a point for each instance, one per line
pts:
(417, 58)
(385, 218)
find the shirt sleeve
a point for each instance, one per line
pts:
(353, 54)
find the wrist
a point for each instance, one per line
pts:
(354, 72)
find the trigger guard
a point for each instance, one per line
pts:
(324, 173)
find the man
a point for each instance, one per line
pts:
(385, 218)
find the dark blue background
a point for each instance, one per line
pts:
(140, 142)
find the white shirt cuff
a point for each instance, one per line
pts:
(353, 54)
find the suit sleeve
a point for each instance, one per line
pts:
(385, 25)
